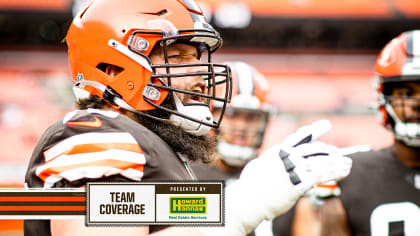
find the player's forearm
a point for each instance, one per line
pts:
(305, 221)
(333, 218)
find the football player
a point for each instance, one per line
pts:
(382, 194)
(144, 81)
(245, 121)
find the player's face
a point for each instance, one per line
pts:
(406, 101)
(242, 127)
(182, 54)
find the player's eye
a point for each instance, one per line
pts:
(405, 92)
(174, 56)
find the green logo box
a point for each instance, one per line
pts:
(187, 205)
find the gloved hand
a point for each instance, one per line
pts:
(322, 191)
(272, 183)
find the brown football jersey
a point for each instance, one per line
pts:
(381, 195)
(99, 146)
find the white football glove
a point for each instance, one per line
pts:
(322, 191)
(272, 183)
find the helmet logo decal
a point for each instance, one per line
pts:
(79, 78)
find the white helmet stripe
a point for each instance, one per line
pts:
(246, 83)
(411, 66)
(413, 47)
(416, 47)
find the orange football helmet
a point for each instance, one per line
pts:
(250, 100)
(398, 63)
(123, 34)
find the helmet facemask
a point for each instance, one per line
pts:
(238, 142)
(194, 117)
(403, 112)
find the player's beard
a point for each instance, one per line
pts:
(193, 147)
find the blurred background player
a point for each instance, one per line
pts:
(244, 124)
(382, 194)
(245, 121)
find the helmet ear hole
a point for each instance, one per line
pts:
(111, 70)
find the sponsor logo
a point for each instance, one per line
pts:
(97, 123)
(187, 205)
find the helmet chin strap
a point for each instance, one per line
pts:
(235, 155)
(199, 112)
(409, 133)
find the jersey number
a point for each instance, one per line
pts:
(406, 213)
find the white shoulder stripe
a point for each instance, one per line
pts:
(69, 115)
(132, 174)
(74, 159)
(88, 138)
(91, 173)
(51, 180)
(107, 113)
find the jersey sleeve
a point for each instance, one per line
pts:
(85, 146)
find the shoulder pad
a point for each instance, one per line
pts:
(79, 153)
